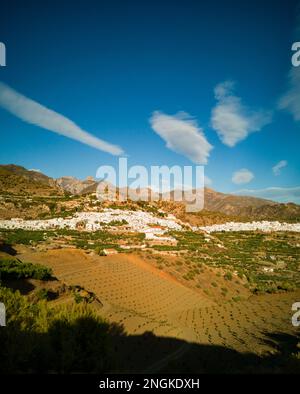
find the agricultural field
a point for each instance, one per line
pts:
(205, 294)
(260, 262)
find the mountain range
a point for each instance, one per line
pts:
(19, 181)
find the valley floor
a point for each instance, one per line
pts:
(142, 298)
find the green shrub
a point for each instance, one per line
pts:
(122, 222)
(38, 339)
(271, 287)
(42, 294)
(228, 276)
(240, 274)
(286, 286)
(15, 269)
(25, 237)
(100, 251)
(78, 298)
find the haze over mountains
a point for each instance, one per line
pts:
(18, 181)
(77, 186)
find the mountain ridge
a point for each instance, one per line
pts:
(17, 180)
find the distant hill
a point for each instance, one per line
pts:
(250, 207)
(218, 207)
(76, 186)
(18, 180)
(225, 207)
(229, 203)
(243, 208)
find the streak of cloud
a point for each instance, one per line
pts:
(281, 194)
(32, 112)
(278, 167)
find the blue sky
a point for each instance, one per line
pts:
(170, 82)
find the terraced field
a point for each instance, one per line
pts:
(143, 299)
(242, 325)
(133, 293)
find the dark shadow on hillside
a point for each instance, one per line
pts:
(284, 343)
(91, 347)
(218, 359)
(23, 285)
(6, 248)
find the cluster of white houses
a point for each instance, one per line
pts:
(137, 221)
(264, 226)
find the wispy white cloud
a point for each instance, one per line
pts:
(182, 135)
(231, 119)
(34, 169)
(32, 112)
(290, 101)
(278, 167)
(281, 194)
(242, 176)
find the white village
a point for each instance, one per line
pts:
(139, 221)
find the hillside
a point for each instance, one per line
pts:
(221, 207)
(18, 180)
(207, 300)
(232, 204)
(31, 194)
(250, 207)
